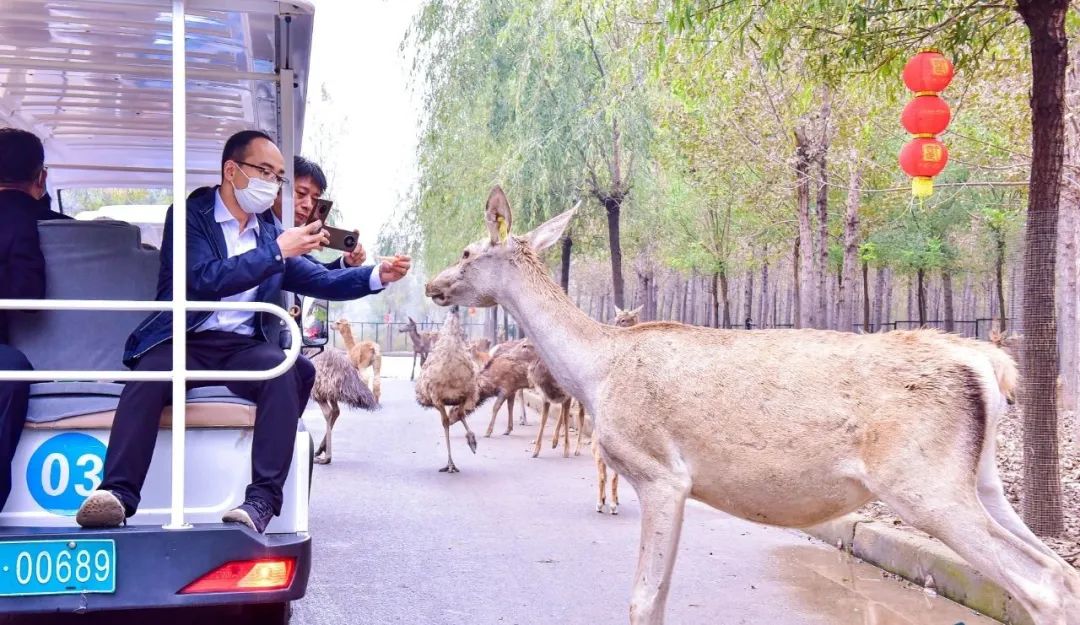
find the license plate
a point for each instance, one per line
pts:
(57, 567)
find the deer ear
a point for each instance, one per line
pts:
(497, 216)
(618, 311)
(550, 231)
(636, 311)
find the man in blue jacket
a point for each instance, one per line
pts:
(232, 255)
(22, 273)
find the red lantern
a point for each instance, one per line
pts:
(928, 71)
(926, 115)
(924, 157)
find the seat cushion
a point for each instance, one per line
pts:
(76, 405)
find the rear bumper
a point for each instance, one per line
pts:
(153, 564)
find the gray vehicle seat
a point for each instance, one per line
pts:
(98, 260)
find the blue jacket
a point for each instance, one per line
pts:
(212, 275)
(22, 265)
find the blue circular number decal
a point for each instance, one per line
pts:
(64, 470)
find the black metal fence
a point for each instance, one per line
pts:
(393, 337)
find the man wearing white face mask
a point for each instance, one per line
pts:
(232, 255)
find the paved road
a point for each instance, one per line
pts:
(515, 540)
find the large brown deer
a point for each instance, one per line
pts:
(788, 428)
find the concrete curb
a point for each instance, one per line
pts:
(915, 558)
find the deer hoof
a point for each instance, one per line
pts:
(614, 509)
(600, 508)
(471, 438)
(507, 433)
(322, 459)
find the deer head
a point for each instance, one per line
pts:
(626, 318)
(486, 265)
(409, 327)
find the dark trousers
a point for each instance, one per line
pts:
(279, 403)
(14, 398)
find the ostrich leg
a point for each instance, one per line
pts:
(449, 468)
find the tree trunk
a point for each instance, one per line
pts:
(879, 297)
(845, 300)
(921, 295)
(999, 276)
(1068, 251)
(748, 299)
(947, 293)
(715, 320)
(822, 313)
(866, 296)
(763, 305)
(804, 249)
(613, 206)
(567, 247)
(1045, 20)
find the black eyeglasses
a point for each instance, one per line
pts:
(266, 174)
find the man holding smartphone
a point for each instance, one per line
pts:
(309, 184)
(232, 255)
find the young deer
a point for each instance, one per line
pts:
(422, 343)
(789, 428)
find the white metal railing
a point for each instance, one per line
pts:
(154, 376)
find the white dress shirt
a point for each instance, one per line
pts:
(374, 283)
(236, 242)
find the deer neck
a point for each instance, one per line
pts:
(574, 346)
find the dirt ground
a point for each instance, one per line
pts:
(1010, 459)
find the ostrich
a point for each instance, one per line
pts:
(449, 379)
(336, 380)
(364, 355)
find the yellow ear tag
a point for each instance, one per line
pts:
(503, 230)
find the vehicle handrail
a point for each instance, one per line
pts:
(291, 354)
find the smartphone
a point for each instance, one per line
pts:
(344, 240)
(321, 211)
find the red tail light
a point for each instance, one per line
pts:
(246, 576)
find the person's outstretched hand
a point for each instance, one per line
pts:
(394, 269)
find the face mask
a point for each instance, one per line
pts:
(257, 197)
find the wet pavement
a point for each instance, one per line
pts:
(516, 540)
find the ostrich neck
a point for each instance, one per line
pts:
(573, 345)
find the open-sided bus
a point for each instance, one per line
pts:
(142, 94)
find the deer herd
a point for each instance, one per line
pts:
(790, 428)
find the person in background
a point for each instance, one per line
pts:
(233, 255)
(22, 273)
(308, 186)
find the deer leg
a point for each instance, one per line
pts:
(558, 429)
(540, 434)
(954, 513)
(524, 420)
(412, 375)
(327, 414)
(580, 429)
(449, 468)
(601, 479)
(614, 491)
(663, 501)
(499, 399)
(564, 417)
(509, 414)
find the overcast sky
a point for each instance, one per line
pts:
(373, 115)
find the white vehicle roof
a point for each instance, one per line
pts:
(92, 78)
